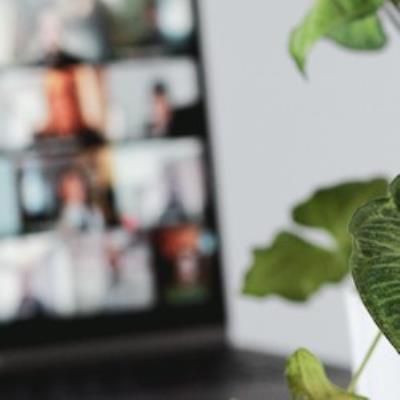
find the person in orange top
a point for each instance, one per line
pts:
(74, 90)
(65, 116)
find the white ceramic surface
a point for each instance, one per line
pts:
(381, 380)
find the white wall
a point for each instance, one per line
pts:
(277, 137)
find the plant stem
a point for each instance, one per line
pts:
(360, 370)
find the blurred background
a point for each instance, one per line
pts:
(103, 139)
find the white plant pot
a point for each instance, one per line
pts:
(381, 378)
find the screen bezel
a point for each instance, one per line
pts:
(48, 332)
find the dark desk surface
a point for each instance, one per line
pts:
(205, 375)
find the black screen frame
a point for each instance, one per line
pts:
(44, 332)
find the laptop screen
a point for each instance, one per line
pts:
(107, 215)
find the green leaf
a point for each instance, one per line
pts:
(375, 261)
(325, 17)
(363, 34)
(292, 268)
(331, 208)
(295, 268)
(307, 379)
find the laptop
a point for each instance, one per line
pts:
(110, 250)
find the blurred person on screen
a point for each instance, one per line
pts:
(161, 111)
(73, 87)
(82, 244)
(78, 212)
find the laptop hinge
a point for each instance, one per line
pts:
(137, 347)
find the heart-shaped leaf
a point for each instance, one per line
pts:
(375, 261)
(326, 17)
(294, 267)
(363, 34)
(332, 208)
(307, 379)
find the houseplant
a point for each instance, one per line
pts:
(356, 25)
(375, 266)
(295, 267)
(290, 266)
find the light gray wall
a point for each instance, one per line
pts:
(277, 136)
